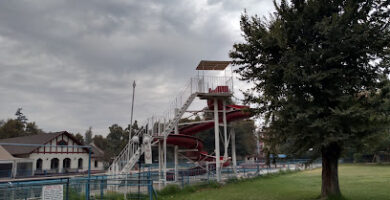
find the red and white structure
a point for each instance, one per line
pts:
(166, 130)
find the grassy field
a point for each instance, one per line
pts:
(357, 182)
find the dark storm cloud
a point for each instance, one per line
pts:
(70, 64)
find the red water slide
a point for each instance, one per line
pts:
(185, 139)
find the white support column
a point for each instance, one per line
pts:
(234, 159)
(226, 142)
(165, 160)
(160, 160)
(14, 169)
(175, 153)
(216, 134)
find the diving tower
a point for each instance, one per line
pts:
(162, 130)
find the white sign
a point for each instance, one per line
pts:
(52, 192)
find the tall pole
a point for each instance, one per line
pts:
(132, 109)
(216, 134)
(130, 130)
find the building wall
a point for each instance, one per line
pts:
(46, 160)
(61, 152)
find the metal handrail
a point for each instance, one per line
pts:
(199, 84)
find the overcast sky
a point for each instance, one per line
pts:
(70, 64)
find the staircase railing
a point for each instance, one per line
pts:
(164, 125)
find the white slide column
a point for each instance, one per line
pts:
(216, 134)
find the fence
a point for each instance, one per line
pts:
(243, 170)
(100, 187)
(142, 185)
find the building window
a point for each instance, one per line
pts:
(66, 163)
(62, 142)
(39, 164)
(80, 165)
(54, 163)
(96, 163)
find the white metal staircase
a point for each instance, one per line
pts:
(130, 154)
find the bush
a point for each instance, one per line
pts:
(169, 190)
(357, 157)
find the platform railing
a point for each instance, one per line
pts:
(198, 84)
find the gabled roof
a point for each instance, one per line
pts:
(41, 139)
(5, 155)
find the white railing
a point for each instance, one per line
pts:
(163, 125)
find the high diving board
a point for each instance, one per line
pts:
(212, 65)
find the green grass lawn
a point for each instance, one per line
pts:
(357, 182)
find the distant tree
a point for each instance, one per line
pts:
(32, 129)
(375, 145)
(317, 67)
(79, 137)
(12, 128)
(88, 136)
(103, 144)
(134, 130)
(117, 139)
(245, 137)
(100, 141)
(20, 116)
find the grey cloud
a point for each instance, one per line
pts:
(70, 64)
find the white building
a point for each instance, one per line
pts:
(59, 155)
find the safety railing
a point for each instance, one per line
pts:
(162, 125)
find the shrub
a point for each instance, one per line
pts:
(169, 189)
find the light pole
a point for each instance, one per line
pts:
(131, 116)
(130, 130)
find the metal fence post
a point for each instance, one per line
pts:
(182, 179)
(102, 188)
(150, 185)
(67, 189)
(89, 174)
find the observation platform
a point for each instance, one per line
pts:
(221, 87)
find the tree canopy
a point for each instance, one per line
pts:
(18, 127)
(318, 69)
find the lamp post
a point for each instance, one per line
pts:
(132, 108)
(130, 130)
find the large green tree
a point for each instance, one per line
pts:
(317, 67)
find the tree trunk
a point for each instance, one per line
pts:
(330, 178)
